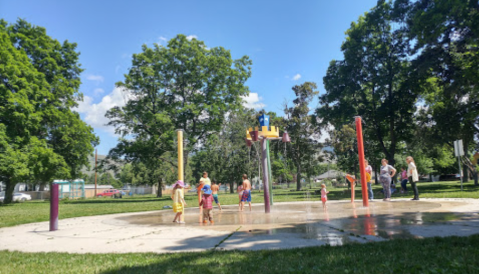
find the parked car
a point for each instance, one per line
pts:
(17, 197)
(110, 193)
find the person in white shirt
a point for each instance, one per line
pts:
(412, 176)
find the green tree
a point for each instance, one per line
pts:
(228, 144)
(373, 81)
(185, 85)
(299, 123)
(41, 138)
(445, 35)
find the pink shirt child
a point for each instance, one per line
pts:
(207, 201)
(324, 193)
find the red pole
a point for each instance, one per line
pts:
(362, 168)
(352, 191)
(54, 207)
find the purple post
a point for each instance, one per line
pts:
(264, 162)
(54, 207)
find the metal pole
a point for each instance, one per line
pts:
(264, 162)
(54, 207)
(179, 133)
(460, 170)
(362, 168)
(269, 174)
(96, 160)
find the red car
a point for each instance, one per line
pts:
(110, 192)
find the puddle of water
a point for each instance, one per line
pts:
(338, 225)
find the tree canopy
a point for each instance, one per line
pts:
(41, 138)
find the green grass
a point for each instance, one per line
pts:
(431, 255)
(36, 211)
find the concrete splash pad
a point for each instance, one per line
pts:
(289, 225)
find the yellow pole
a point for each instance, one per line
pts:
(180, 164)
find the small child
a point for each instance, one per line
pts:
(215, 188)
(207, 203)
(178, 201)
(324, 196)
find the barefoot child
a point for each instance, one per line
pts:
(215, 188)
(324, 195)
(178, 201)
(207, 203)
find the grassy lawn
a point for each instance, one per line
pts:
(36, 211)
(431, 255)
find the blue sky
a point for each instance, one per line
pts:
(289, 42)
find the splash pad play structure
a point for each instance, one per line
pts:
(264, 136)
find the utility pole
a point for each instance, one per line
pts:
(96, 160)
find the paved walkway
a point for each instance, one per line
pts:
(289, 225)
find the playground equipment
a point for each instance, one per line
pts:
(71, 189)
(179, 134)
(362, 168)
(63, 189)
(264, 135)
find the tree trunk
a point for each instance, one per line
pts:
(298, 179)
(376, 177)
(232, 185)
(10, 187)
(160, 188)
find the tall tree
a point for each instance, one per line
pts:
(228, 144)
(40, 137)
(299, 124)
(445, 35)
(373, 81)
(185, 85)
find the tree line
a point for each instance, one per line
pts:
(410, 69)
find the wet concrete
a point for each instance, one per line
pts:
(307, 224)
(289, 225)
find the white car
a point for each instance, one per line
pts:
(17, 197)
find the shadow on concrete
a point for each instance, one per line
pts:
(313, 259)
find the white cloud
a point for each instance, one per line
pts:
(297, 77)
(84, 105)
(190, 37)
(97, 78)
(98, 91)
(162, 39)
(94, 114)
(253, 101)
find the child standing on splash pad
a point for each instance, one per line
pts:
(324, 195)
(215, 188)
(207, 203)
(178, 201)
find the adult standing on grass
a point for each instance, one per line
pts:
(203, 181)
(412, 176)
(369, 170)
(387, 172)
(246, 192)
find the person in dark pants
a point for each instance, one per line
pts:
(412, 176)
(404, 180)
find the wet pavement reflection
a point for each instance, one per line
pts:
(340, 223)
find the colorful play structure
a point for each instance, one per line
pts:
(264, 136)
(268, 133)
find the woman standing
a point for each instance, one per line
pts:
(412, 176)
(387, 172)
